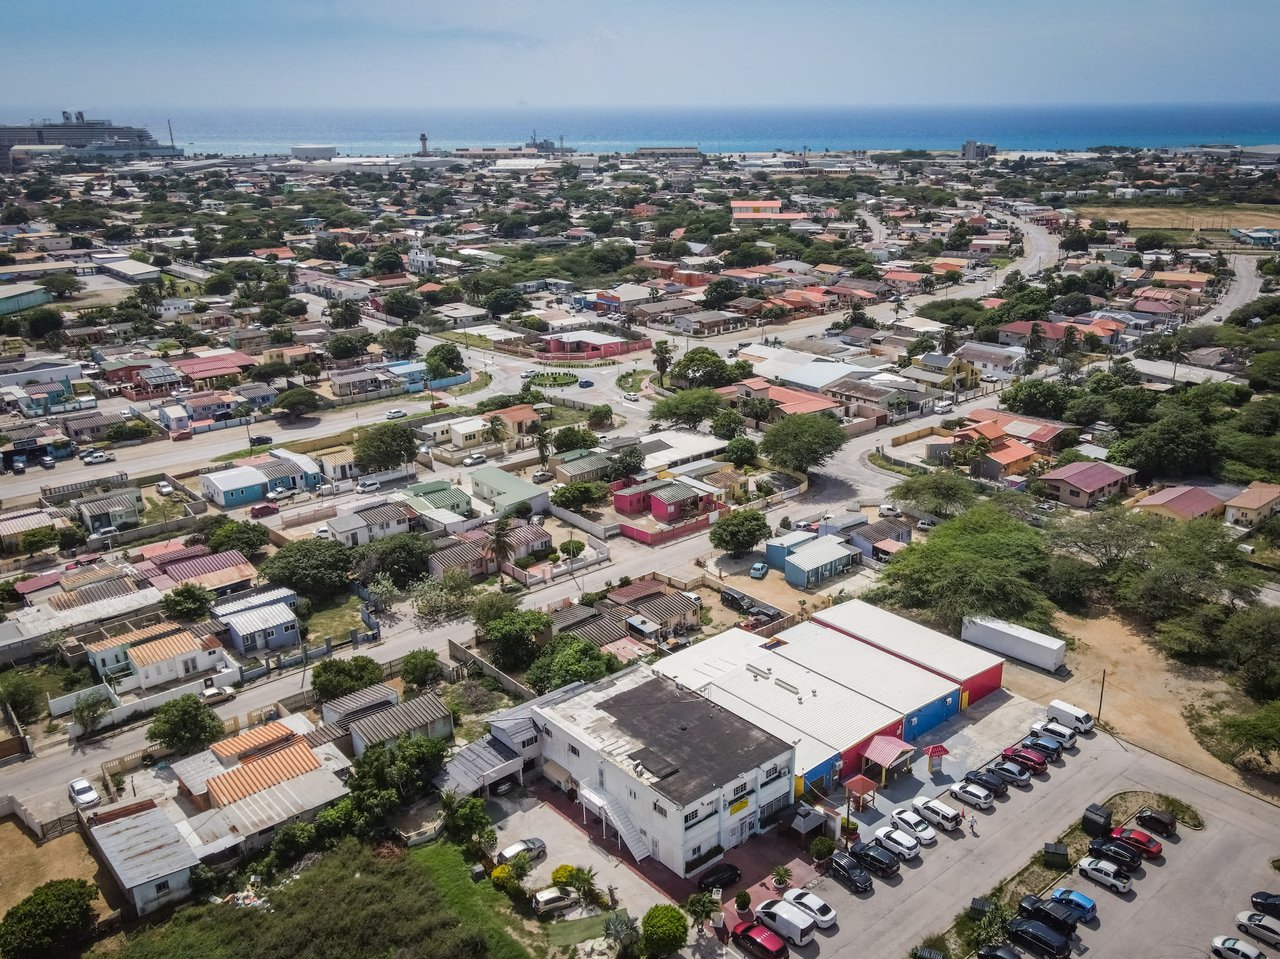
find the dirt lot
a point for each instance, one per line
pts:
(25, 865)
(1239, 216)
(1145, 692)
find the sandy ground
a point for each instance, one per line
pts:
(25, 865)
(1241, 216)
(1144, 697)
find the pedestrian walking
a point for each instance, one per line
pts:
(973, 824)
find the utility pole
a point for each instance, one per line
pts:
(1101, 692)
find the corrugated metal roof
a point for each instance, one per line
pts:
(408, 717)
(232, 824)
(143, 847)
(475, 764)
(382, 514)
(896, 683)
(361, 698)
(251, 739)
(93, 593)
(259, 618)
(133, 636)
(239, 602)
(902, 637)
(794, 538)
(824, 550)
(167, 647)
(261, 773)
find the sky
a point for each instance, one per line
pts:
(314, 54)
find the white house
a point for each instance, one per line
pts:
(674, 776)
(421, 261)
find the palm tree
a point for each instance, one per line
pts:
(663, 355)
(757, 408)
(501, 548)
(949, 341)
(496, 431)
(583, 879)
(1177, 352)
(542, 441)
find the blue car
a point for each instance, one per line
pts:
(759, 571)
(585, 384)
(1085, 907)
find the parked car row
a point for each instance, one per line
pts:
(1261, 922)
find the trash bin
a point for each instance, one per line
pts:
(1096, 821)
(979, 908)
(1056, 856)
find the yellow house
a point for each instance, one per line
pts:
(1254, 505)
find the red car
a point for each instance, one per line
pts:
(758, 942)
(84, 560)
(1028, 759)
(1138, 841)
(264, 509)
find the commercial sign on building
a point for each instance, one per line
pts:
(738, 806)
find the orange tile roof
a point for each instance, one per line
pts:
(167, 647)
(262, 773)
(251, 739)
(1255, 496)
(1011, 452)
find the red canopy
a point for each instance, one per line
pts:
(936, 751)
(860, 785)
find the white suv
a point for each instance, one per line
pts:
(1048, 729)
(974, 795)
(897, 842)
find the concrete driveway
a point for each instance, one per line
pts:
(520, 815)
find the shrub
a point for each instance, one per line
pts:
(50, 921)
(664, 930)
(821, 848)
(561, 874)
(742, 900)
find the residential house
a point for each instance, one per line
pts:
(441, 494)
(580, 466)
(707, 322)
(503, 491)
(146, 854)
(209, 405)
(786, 401)
(1183, 503)
(1019, 333)
(942, 372)
(238, 486)
(178, 657)
(108, 655)
(89, 427)
(220, 573)
(369, 523)
(668, 501)
(472, 552)
(586, 344)
(876, 540)
(175, 418)
(424, 715)
(122, 508)
(988, 359)
(816, 561)
(1254, 505)
(1085, 485)
(261, 629)
(777, 550)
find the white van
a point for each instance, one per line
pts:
(1073, 717)
(938, 813)
(943, 406)
(788, 920)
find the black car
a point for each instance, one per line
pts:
(1124, 857)
(720, 876)
(987, 780)
(1157, 821)
(846, 869)
(998, 950)
(1053, 914)
(1049, 748)
(1010, 772)
(875, 859)
(1039, 938)
(260, 441)
(1267, 903)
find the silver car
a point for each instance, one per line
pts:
(535, 849)
(1262, 927)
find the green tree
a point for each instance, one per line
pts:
(663, 357)
(403, 558)
(600, 416)
(345, 347)
(63, 286)
(511, 638)
(726, 425)
(567, 659)
(702, 367)
(490, 606)
(663, 931)
(1037, 397)
(501, 548)
(687, 408)
(1251, 637)
(983, 562)
(939, 494)
(575, 496)
(188, 602)
(38, 540)
(185, 724)
(248, 537)
(386, 260)
(298, 402)
(56, 919)
(466, 821)
(400, 341)
(741, 452)
(740, 531)
(22, 693)
(422, 668)
(701, 906)
(574, 438)
(384, 447)
(542, 444)
(449, 355)
(803, 441)
(719, 292)
(1176, 445)
(1257, 730)
(69, 537)
(269, 372)
(332, 678)
(504, 301)
(317, 568)
(88, 711)
(757, 408)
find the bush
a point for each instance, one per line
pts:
(742, 900)
(338, 677)
(422, 668)
(561, 874)
(51, 921)
(663, 931)
(821, 848)
(292, 842)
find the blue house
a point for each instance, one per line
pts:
(817, 561)
(238, 486)
(864, 538)
(259, 619)
(779, 548)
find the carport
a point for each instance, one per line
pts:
(477, 765)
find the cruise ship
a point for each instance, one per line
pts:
(92, 137)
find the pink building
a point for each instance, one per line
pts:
(587, 344)
(667, 501)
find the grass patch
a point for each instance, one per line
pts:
(554, 379)
(55, 679)
(570, 932)
(160, 510)
(877, 459)
(1189, 216)
(1204, 719)
(478, 904)
(566, 416)
(335, 618)
(478, 382)
(631, 382)
(466, 339)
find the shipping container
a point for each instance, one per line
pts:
(1016, 642)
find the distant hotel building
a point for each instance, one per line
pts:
(977, 152)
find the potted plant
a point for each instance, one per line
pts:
(781, 877)
(849, 829)
(743, 901)
(821, 849)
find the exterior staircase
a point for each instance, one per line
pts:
(611, 810)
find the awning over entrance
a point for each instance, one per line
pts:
(887, 752)
(807, 820)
